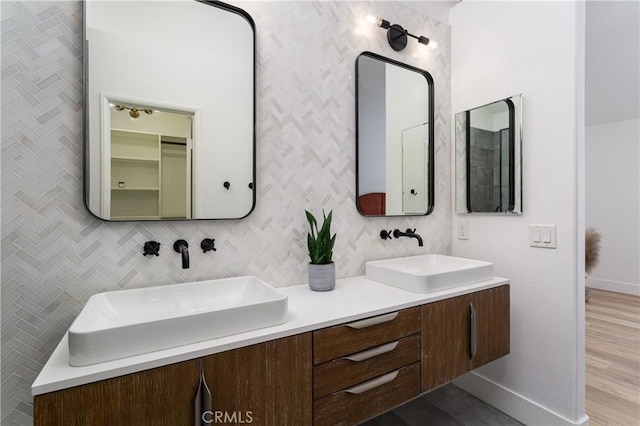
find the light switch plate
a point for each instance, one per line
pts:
(543, 236)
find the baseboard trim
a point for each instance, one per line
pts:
(616, 286)
(517, 406)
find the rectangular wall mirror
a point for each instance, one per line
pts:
(169, 110)
(489, 158)
(394, 138)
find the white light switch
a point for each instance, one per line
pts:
(542, 236)
(536, 236)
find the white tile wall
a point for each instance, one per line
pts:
(55, 255)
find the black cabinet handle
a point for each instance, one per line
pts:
(474, 331)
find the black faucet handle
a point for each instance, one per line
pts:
(151, 248)
(385, 235)
(208, 244)
(411, 231)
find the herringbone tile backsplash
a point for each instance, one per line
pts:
(55, 254)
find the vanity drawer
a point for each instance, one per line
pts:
(361, 402)
(356, 368)
(356, 336)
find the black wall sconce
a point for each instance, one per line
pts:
(397, 36)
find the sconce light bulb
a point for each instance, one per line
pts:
(382, 23)
(433, 44)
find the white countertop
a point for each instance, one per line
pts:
(352, 299)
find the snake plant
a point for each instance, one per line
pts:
(320, 242)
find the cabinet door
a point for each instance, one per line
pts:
(492, 314)
(266, 384)
(445, 341)
(162, 396)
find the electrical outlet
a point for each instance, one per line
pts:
(463, 229)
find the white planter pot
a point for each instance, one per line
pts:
(322, 277)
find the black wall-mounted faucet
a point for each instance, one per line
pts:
(182, 247)
(409, 233)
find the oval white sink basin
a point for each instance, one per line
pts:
(429, 272)
(123, 323)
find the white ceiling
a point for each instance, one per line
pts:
(612, 71)
(437, 9)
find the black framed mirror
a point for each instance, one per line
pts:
(169, 110)
(488, 158)
(394, 138)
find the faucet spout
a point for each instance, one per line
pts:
(409, 233)
(182, 247)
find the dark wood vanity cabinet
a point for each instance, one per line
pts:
(161, 396)
(493, 314)
(263, 384)
(462, 333)
(445, 341)
(339, 375)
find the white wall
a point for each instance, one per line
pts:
(613, 203)
(372, 140)
(407, 94)
(415, 163)
(533, 48)
(612, 61)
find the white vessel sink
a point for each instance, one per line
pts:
(123, 323)
(429, 272)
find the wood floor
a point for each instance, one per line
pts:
(613, 359)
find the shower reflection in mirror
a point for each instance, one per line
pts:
(488, 158)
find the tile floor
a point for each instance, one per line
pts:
(445, 406)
